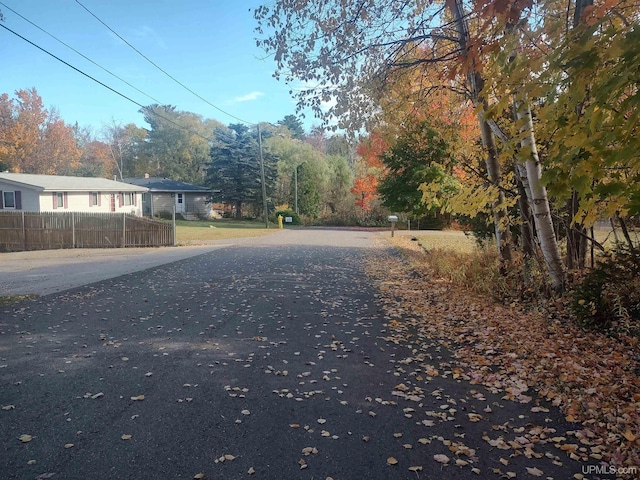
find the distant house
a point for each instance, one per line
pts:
(189, 200)
(57, 193)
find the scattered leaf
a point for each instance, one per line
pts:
(534, 471)
(24, 438)
(392, 461)
(441, 458)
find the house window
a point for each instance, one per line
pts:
(60, 199)
(93, 201)
(9, 199)
(128, 199)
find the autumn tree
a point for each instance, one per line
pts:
(95, 160)
(34, 139)
(349, 53)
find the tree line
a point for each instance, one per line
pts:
(314, 171)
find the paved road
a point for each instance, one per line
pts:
(265, 357)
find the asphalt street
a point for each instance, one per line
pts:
(265, 359)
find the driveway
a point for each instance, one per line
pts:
(272, 358)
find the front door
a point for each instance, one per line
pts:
(179, 203)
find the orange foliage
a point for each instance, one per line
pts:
(372, 148)
(365, 189)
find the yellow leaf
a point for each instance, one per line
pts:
(416, 468)
(139, 398)
(322, 421)
(251, 471)
(629, 436)
(392, 461)
(535, 472)
(68, 445)
(199, 476)
(229, 457)
(126, 436)
(24, 438)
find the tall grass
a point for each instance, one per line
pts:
(453, 257)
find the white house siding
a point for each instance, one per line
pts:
(79, 202)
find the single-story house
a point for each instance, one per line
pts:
(57, 193)
(164, 194)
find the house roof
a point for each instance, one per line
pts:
(159, 184)
(60, 183)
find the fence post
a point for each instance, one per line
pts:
(24, 233)
(124, 230)
(73, 230)
(173, 222)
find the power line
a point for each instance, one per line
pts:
(159, 68)
(79, 53)
(146, 109)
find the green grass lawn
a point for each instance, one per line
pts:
(201, 231)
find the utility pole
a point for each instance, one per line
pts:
(264, 187)
(295, 178)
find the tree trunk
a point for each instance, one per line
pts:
(539, 200)
(576, 232)
(526, 227)
(238, 210)
(476, 82)
(576, 236)
(503, 234)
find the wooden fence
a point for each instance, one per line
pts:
(46, 231)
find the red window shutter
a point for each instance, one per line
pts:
(65, 200)
(18, 197)
(55, 200)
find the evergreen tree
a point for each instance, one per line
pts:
(234, 171)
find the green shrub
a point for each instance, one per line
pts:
(609, 296)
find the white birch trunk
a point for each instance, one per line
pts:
(538, 199)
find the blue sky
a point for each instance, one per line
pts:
(208, 45)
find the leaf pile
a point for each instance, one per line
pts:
(591, 377)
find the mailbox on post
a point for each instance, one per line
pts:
(393, 219)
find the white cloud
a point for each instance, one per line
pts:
(249, 97)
